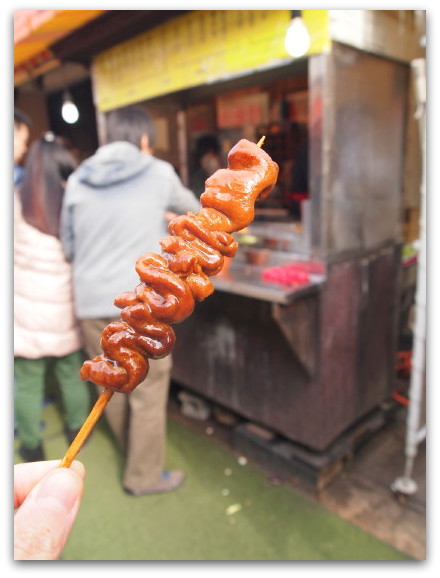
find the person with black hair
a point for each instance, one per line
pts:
(115, 210)
(207, 161)
(300, 178)
(46, 333)
(22, 125)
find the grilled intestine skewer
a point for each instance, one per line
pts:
(173, 281)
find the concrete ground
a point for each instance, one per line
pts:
(362, 492)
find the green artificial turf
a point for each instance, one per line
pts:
(224, 511)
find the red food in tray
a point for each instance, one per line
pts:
(289, 274)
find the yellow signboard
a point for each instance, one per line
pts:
(203, 46)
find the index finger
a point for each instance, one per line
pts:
(28, 474)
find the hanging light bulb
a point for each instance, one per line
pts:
(297, 40)
(69, 110)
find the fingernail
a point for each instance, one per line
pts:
(60, 485)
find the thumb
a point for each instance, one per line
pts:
(44, 520)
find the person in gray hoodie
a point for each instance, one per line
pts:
(114, 210)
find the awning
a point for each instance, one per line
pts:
(36, 30)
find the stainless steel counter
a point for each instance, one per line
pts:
(244, 279)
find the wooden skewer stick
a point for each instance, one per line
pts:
(86, 428)
(96, 412)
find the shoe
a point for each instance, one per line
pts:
(71, 434)
(32, 454)
(170, 480)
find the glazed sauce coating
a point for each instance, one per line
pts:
(170, 283)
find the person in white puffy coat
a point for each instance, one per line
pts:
(46, 334)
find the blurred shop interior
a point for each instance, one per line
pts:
(309, 361)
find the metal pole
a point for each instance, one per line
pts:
(414, 433)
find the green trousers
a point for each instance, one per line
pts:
(29, 390)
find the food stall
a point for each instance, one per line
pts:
(307, 358)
